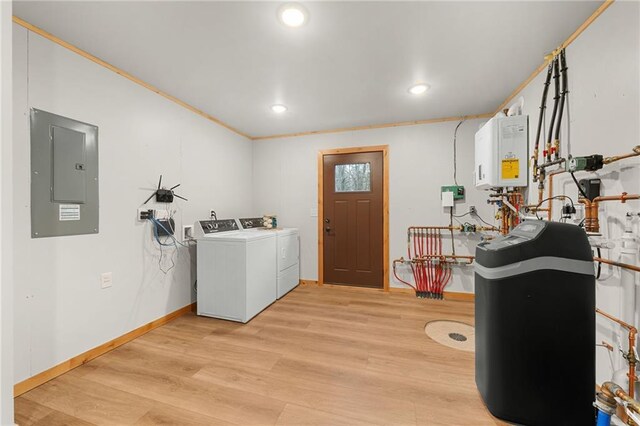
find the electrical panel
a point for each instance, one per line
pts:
(502, 153)
(64, 176)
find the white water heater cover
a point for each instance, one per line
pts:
(502, 152)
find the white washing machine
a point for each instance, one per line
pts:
(288, 253)
(236, 270)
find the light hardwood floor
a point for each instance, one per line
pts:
(321, 356)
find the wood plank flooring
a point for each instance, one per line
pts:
(321, 356)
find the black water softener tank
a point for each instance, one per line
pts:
(535, 325)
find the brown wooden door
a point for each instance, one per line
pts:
(353, 219)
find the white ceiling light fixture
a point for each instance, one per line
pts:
(418, 89)
(293, 15)
(278, 108)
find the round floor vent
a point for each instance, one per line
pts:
(453, 334)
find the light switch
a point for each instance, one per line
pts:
(106, 279)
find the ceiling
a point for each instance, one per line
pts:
(350, 65)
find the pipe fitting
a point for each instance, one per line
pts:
(635, 152)
(605, 402)
(611, 391)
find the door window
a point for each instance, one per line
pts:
(354, 177)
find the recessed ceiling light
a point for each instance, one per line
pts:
(279, 109)
(418, 89)
(292, 15)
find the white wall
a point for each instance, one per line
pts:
(60, 309)
(6, 232)
(420, 161)
(604, 84)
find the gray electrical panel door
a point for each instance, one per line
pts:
(69, 183)
(64, 176)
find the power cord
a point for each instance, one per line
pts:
(472, 214)
(455, 155)
(174, 242)
(555, 197)
(170, 235)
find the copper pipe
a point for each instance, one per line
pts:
(614, 263)
(591, 221)
(595, 222)
(588, 216)
(505, 222)
(550, 189)
(631, 355)
(487, 228)
(617, 320)
(550, 193)
(453, 228)
(442, 256)
(609, 346)
(444, 228)
(610, 390)
(534, 208)
(541, 192)
(635, 153)
(622, 198)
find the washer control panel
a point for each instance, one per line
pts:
(216, 226)
(252, 222)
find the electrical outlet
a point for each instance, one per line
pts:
(144, 214)
(106, 279)
(472, 210)
(187, 232)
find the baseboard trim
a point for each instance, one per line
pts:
(448, 295)
(459, 296)
(76, 361)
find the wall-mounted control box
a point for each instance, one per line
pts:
(502, 153)
(166, 227)
(590, 187)
(458, 191)
(64, 176)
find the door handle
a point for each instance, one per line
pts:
(327, 229)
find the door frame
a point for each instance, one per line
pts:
(384, 149)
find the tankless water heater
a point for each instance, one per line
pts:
(501, 153)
